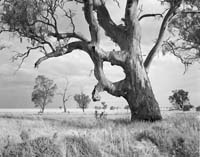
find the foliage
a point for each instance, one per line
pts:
(184, 28)
(82, 100)
(43, 91)
(178, 98)
(27, 18)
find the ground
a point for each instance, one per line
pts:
(82, 135)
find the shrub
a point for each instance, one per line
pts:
(198, 108)
(81, 147)
(39, 147)
(187, 107)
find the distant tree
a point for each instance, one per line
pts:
(179, 98)
(187, 107)
(112, 107)
(43, 92)
(64, 95)
(104, 105)
(126, 107)
(82, 100)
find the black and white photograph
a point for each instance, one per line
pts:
(99, 78)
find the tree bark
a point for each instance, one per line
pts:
(140, 97)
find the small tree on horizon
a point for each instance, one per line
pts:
(83, 100)
(43, 92)
(179, 98)
(126, 107)
(103, 103)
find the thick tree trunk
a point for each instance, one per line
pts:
(142, 103)
(140, 97)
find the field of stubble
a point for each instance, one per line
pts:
(57, 135)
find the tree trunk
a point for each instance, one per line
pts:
(142, 102)
(42, 109)
(64, 107)
(140, 97)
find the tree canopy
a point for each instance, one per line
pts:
(184, 28)
(83, 100)
(43, 92)
(179, 98)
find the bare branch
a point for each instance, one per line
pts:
(63, 51)
(24, 55)
(149, 15)
(171, 12)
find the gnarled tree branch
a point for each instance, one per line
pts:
(115, 32)
(63, 51)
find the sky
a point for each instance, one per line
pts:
(166, 72)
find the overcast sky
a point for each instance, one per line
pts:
(166, 72)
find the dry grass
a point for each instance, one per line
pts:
(177, 136)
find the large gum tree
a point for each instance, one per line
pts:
(37, 21)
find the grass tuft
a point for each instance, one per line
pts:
(39, 147)
(179, 138)
(81, 147)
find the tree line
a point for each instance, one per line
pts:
(45, 89)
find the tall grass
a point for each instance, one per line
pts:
(177, 136)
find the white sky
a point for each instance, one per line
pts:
(166, 72)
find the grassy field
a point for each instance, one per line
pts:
(58, 135)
